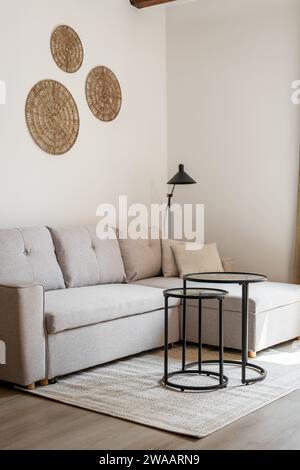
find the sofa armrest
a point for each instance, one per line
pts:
(228, 264)
(22, 333)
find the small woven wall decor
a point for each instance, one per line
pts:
(103, 93)
(66, 49)
(52, 117)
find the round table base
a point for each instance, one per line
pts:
(206, 373)
(262, 372)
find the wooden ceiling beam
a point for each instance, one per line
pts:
(148, 3)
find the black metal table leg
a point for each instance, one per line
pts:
(184, 328)
(245, 296)
(200, 337)
(166, 348)
(221, 341)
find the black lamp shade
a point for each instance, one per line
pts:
(181, 177)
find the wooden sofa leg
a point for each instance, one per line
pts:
(44, 382)
(298, 338)
(30, 386)
(252, 354)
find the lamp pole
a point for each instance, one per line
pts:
(169, 196)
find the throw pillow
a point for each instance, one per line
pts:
(142, 258)
(206, 259)
(169, 266)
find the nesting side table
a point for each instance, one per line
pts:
(195, 368)
(243, 279)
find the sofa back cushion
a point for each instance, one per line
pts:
(142, 258)
(85, 260)
(27, 254)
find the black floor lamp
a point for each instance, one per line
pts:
(181, 177)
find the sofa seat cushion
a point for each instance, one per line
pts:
(263, 296)
(28, 255)
(78, 307)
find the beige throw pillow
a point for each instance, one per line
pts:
(206, 259)
(142, 258)
(169, 266)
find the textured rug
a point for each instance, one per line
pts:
(131, 389)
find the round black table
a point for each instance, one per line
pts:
(195, 294)
(243, 279)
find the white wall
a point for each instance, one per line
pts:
(231, 121)
(127, 156)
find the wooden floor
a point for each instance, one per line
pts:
(30, 422)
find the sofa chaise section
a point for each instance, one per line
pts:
(274, 313)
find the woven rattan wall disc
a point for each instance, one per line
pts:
(52, 117)
(103, 93)
(66, 48)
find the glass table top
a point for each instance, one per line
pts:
(229, 278)
(194, 293)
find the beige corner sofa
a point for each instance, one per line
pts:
(66, 304)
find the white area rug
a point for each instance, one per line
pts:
(130, 389)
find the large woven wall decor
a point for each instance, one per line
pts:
(66, 49)
(52, 117)
(103, 93)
